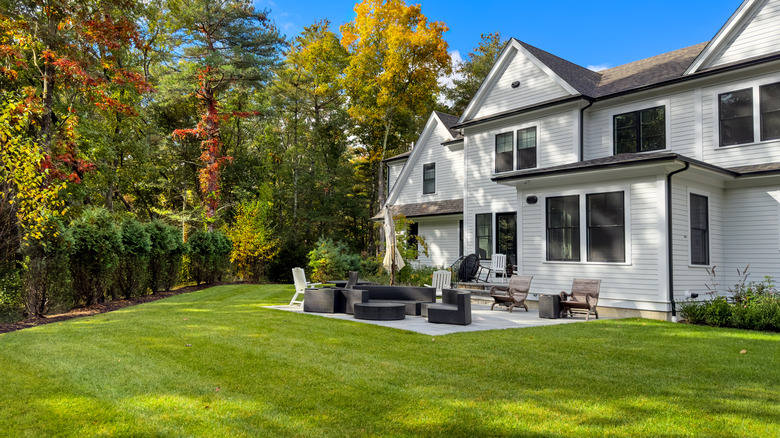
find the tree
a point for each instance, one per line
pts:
(253, 239)
(471, 73)
(397, 56)
(224, 44)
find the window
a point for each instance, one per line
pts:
(484, 235)
(735, 111)
(526, 148)
(563, 228)
(606, 228)
(460, 237)
(506, 239)
(640, 131)
(429, 178)
(504, 152)
(700, 235)
(414, 230)
(770, 111)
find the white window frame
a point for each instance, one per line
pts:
(707, 195)
(626, 189)
(513, 130)
(736, 86)
(645, 104)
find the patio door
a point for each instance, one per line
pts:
(506, 238)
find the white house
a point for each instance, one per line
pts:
(642, 175)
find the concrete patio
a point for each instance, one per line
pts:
(481, 316)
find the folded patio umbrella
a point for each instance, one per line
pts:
(390, 244)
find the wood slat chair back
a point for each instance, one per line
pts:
(583, 298)
(514, 294)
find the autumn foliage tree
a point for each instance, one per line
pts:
(224, 44)
(397, 57)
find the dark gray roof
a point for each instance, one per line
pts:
(756, 169)
(449, 121)
(398, 157)
(435, 208)
(582, 79)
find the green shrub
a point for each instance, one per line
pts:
(11, 294)
(133, 273)
(209, 254)
(47, 276)
(717, 312)
(96, 247)
(692, 311)
(331, 260)
(165, 255)
(411, 276)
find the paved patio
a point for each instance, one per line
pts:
(482, 318)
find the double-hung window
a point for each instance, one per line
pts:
(526, 148)
(640, 131)
(749, 114)
(429, 178)
(484, 235)
(504, 152)
(700, 230)
(604, 225)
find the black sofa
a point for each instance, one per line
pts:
(333, 300)
(455, 308)
(411, 297)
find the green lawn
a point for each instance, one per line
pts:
(216, 363)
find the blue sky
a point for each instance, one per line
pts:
(603, 33)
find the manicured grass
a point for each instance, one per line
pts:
(216, 363)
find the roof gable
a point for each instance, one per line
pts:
(535, 76)
(751, 32)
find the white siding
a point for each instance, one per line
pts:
(449, 171)
(535, 87)
(687, 276)
(442, 236)
(635, 284)
(752, 233)
(393, 170)
(760, 36)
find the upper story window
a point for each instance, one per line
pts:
(737, 110)
(526, 148)
(429, 178)
(504, 152)
(640, 131)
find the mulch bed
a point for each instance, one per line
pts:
(108, 306)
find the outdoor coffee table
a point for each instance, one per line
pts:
(380, 311)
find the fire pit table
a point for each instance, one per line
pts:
(380, 311)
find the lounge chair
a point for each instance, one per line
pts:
(440, 280)
(299, 278)
(514, 294)
(583, 298)
(455, 308)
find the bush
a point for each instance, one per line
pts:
(96, 247)
(47, 278)
(717, 312)
(331, 260)
(165, 255)
(209, 254)
(692, 311)
(11, 296)
(133, 273)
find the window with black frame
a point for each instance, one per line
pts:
(526, 148)
(700, 230)
(735, 114)
(770, 111)
(506, 236)
(563, 228)
(606, 227)
(640, 131)
(504, 152)
(429, 178)
(484, 248)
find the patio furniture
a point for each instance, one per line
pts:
(411, 297)
(549, 306)
(455, 308)
(352, 280)
(440, 280)
(320, 300)
(497, 266)
(347, 298)
(514, 294)
(380, 311)
(299, 278)
(583, 298)
(469, 267)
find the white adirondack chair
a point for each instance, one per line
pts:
(441, 280)
(497, 265)
(299, 278)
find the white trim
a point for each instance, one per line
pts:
(547, 70)
(727, 33)
(515, 158)
(707, 195)
(698, 121)
(638, 106)
(754, 85)
(662, 229)
(583, 193)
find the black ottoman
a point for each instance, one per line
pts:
(380, 311)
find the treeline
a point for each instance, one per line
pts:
(202, 117)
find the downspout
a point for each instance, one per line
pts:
(669, 238)
(582, 127)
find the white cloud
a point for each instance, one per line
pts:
(446, 81)
(598, 67)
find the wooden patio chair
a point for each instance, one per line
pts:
(299, 278)
(497, 266)
(583, 298)
(514, 294)
(440, 280)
